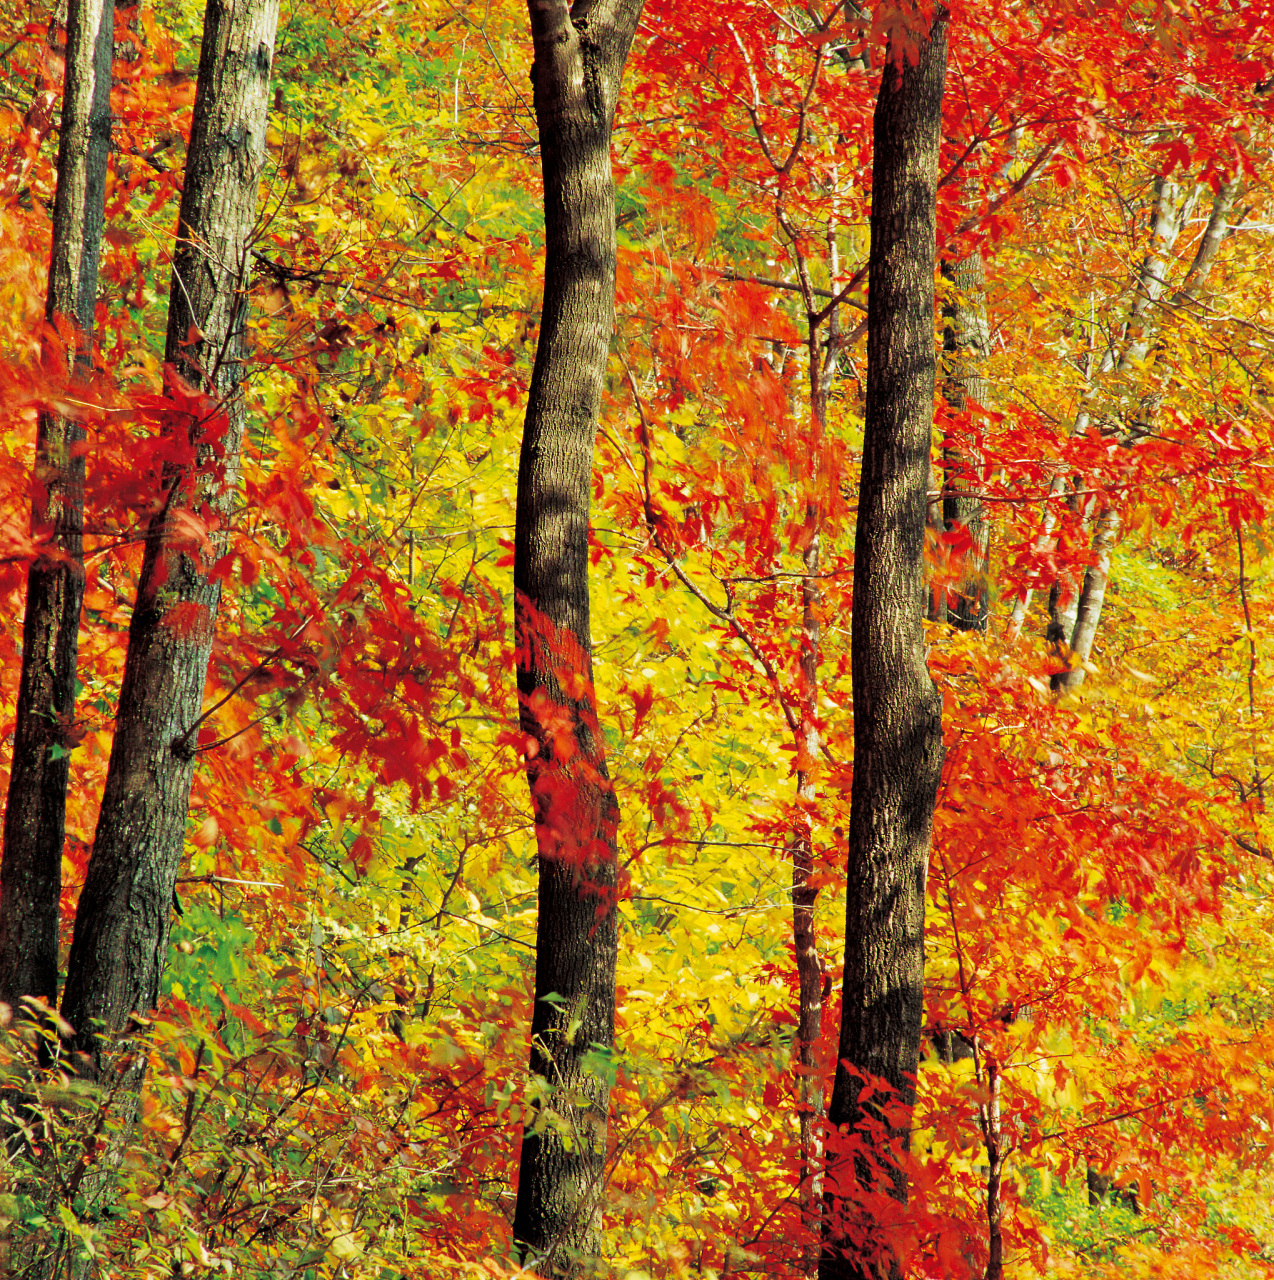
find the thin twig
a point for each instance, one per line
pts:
(181, 744)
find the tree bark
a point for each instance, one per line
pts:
(897, 711)
(579, 59)
(35, 814)
(966, 341)
(1093, 595)
(122, 924)
(810, 1107)
(1140, 295)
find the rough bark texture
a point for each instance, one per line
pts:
(35, 814)
(579, 60)
(897, 711)
(122, 924)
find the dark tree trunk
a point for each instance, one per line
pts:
(122, 924)
(35, 815)
(897, 711)
(579, 60)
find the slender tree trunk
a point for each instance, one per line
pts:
(897, 711)
(1089, 602)
(122, 924)
(1140, 293)
(1171, 208)
(35, 815)
(578, 67)
(809, 969)
(989, 1118)
(810, 1107)
(1097, 578)
(966, 340)
(1069, 616)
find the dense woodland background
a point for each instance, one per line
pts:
(337, 1073)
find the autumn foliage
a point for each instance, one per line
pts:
(338, 1065)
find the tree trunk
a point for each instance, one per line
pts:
(1139, 294)
(122, 924)
(1092, 597)
(35, 815)
(966, 341)
(810, 1107)
(578, 66)
(809, 969)
(990, 1120)
(897, 711)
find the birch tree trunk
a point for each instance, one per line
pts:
(122, 924)
(579, 60)
(1097, 578)
(897, 711)
(1143, 292)
(35, 814)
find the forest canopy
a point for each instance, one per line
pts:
(875, 597)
